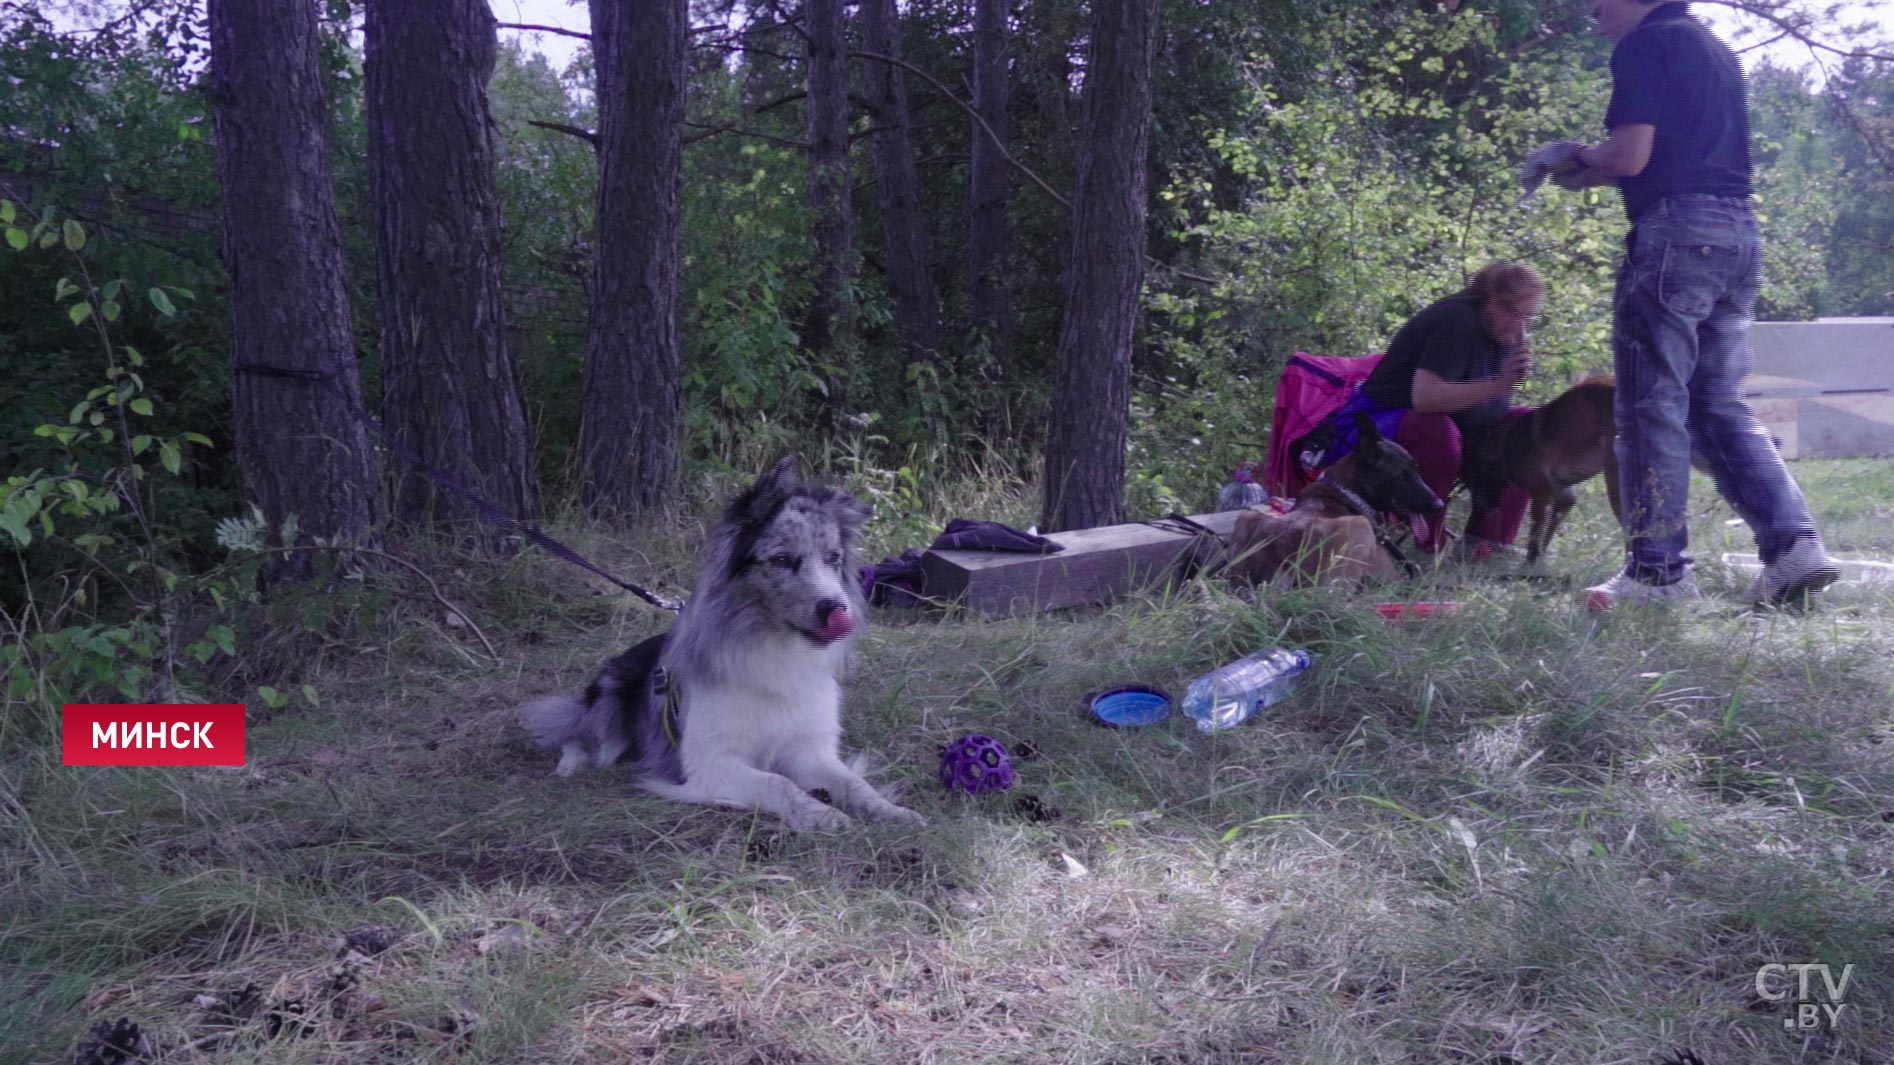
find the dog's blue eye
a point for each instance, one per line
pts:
(783, 561)
(834, 558)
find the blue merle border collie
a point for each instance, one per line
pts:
(740, 703)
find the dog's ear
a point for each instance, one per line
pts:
(858, 511)
(763, 496)
(851, 516)
(781, 476)
(1366, 429)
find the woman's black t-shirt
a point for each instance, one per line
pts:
(1447, 339)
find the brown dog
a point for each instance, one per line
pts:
(1330, 533)
(1549, 453)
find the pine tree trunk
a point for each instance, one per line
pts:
(300, 448)
(826, 335)
(987, 232)
(898, 185)
(631, 422)
(449, 393)
(1085, 451)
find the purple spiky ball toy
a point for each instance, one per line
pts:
(975, 764)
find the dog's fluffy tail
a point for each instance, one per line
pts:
(863, 765)
(552, 720)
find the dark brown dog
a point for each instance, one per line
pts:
(1330, 533)
(1549, 453)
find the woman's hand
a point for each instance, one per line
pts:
(1433, 395)
(1516, 366)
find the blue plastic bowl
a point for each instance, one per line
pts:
(1131, 706)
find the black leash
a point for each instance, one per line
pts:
(451, 483)
(1170, 522)
(1381, 536)
(1200, 562)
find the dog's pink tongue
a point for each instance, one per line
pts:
(839, 624)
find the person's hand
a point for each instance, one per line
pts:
(1516, 365)
(1547, 159)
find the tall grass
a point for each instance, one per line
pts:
(1521, 834)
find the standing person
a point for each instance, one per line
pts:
(1450, 372)
(1678, 149)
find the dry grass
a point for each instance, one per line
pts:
(1516, 836)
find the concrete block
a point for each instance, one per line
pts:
(1827, 355)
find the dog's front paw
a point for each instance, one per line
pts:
(817, 818)
(900, 815)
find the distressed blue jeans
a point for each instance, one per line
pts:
(1686, 293)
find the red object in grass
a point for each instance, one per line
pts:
(1417, 611)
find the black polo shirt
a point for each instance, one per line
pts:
(1673, 73)
(1447, 339)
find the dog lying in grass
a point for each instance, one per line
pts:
(1329, 535)
(740, 703)
(1548, 452)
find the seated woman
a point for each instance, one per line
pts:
(1450, 372)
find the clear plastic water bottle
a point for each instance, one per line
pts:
(1227, 696)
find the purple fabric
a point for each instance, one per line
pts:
(963, 534)
(898, 580)
(894, 581)
(1386, 419)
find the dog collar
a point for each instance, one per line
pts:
(1374, 519)
(1354, 500)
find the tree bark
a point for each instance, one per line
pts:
(833, 225)
(631, 420)
(300, 448)
(898, 187)
(1085, 449)
(449, 392)
(987, 232)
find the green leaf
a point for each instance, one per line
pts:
(79, 313)
(309, 695)
(16, 528)
(140, 444)
(169, 455)
(184, 292)
(141, 405)
(110, 310)
(48, 239)
(64, 288)
(162, 302)
(79, 411)
(110, 291)
(75, 235)
(198, 438)
(17, 238)
(7, 211)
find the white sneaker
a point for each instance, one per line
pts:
(1624, 590)
(1796, 574)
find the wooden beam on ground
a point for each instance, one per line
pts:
(1097, 566)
